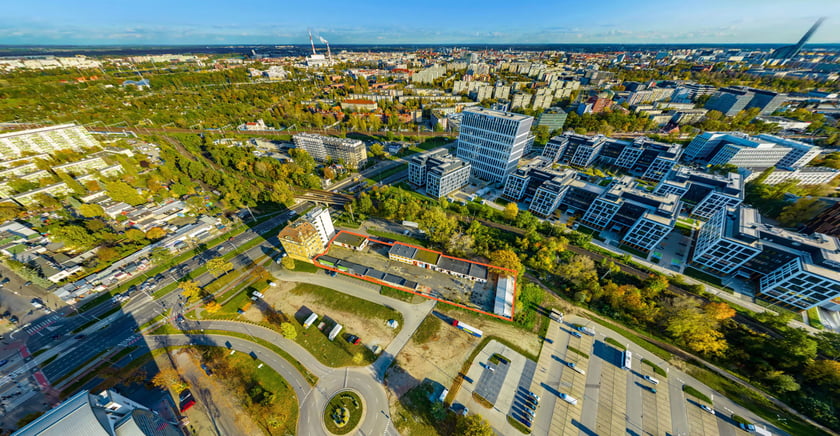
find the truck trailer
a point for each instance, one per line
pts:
(468, 328)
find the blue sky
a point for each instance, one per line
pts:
(423, 21)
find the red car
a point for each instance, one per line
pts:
(187, 404)
(353, 339)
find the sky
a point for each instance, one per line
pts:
(123, 22)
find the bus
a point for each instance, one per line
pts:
(627, 359)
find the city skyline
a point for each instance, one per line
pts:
(652, 21)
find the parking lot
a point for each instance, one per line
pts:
(612, 400)
(499, 383)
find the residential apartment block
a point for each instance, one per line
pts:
(322, 148)
(45, 140)
(301, 240)
(322, 221)
(493, 141)
(439, 172)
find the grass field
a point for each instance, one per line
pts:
(282, 412)
(350, 402)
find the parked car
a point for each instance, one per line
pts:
(568, 398)
(651, 379)
(651, 389)
(4, 361)
(747, 427)
(576, 334)
(707, 409)
(353, 339)
(206, 369)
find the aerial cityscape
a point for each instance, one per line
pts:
(439, 219)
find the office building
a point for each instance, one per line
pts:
(553, 118)
(493, 141)
(690, 91)
(45, 140)
(805, 175)
(727, 241)
(301, 240)
(439, 172)
(790, 51)
(729, 101)
(106, 414)
(640, 219)
(766, 101)
(761, 151)
(703, 194)
(641, 157)
(796, 271)
(322, 221)
(827, 222)
(322, 148)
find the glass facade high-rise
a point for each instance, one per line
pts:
(493, 141)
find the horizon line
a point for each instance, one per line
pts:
(407, 43)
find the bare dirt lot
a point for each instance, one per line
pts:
(373, 331)
(215, 413)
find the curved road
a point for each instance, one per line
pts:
(312, 401)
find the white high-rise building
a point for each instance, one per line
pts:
(322, 221)
(493, 141)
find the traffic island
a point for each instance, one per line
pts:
(344, 413)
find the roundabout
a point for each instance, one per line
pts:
(344, 412)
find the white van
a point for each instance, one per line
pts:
(569, 399)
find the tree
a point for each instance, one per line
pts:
(213, 307)
(89, 210)
(506, 259)
(288, 330)
(579, 270)
(782, 382)
(260, 273)
(288, 263)
(719, 311)
(472, 425)
(511, 211)
(169, 378)
(377, 150)
(438, 225)
(801, 211)
(106, 254)
(74, 237)
(685, 322)
(135, 235)
(219, 266)
(824, 372)
(460, 244)
(190, 290)
(155, 233)
(159, 255)
(121, 191)
(9, 211)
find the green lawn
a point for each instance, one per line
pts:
(575, 350)
(347, 303)
(400, 295)
(301, 266)
(615, 343)
(349, 402)
(428, 329)
(690, 390)
(284, 407)
(656, 369)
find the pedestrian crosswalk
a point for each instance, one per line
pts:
(32, 329)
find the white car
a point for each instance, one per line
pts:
(568, 398)
(651, 379)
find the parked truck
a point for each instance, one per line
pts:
(468, 328)
(335, 331)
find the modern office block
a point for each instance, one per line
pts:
(45, 140)
(446, 177)
(805, 175)
(493, 141)
(797, 271)
(439, 172)
(703, 193)
(729, 101)
(322, 148)
(727, 241)
(640, 218)
(761, 151)
(554, 118)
